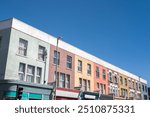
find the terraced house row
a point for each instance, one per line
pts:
(28, 58)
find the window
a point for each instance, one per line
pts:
(110, 76)
(121, 80)
(97, 85)
(116, 79)
(80, 82)
(129, 82)
(22, 71)
(23, 47)
(89, 87)
(57, 78)
(139, 87)
(97, 72)
(62, 80)
(67, 81)
(79, 65)
(126, 93)
(30, 74)
(89, 68)
(104, 74)
(101, 88)
(69, 62)
(136, 86)
(116, 91)
(84, 85)
(104, 89)
(133, 84)
(41, 53)
(125, 80)
(143, 88)
(38, 75)
(56, 59)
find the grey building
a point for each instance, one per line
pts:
(23, 58)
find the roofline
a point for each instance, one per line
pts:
(30, 30)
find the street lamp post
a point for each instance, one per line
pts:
(45, 58)
(56, 67)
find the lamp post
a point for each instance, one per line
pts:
(45, 58)
(56, 67)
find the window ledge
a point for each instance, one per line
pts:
(89, 74)
(80, 72)
(69, 69)
(40, 61)
(21, 55)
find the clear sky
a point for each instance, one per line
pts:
(117, 31)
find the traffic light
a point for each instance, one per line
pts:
(19, 93)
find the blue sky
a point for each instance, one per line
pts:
(117, 31)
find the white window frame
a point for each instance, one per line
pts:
(41, 52)
(79, 65)
(22, 72)
(69, 62)
(62, 80)
(38, 75)
(104, 74)
(67, 82)
(23, 45)
(31, 75)
(56, 57)
(97, 72)
(89, 69)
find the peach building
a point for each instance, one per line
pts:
(100, 79)
(84, 73)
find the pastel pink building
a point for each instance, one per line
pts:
(65, 70)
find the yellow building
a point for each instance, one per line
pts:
(84, 73)
(123, 86)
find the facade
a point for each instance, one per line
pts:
(84, 75)
(28, 55)
(113, 83)
(123, 86)
(100, 79)
(65, 68)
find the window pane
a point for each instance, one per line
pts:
(84, 85)
(67, 81)
(104, 74)
(69, 62)
(97, 72)
(30, 78)
(110, 76)
(56, 58)
(21, 71)
(89, 87)
(22, 47)
(62, 80)
(41, 53)
(88, 68)
(79, 65)
(98, 85)
(80, 82)
(38, 76)
(30, 73)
